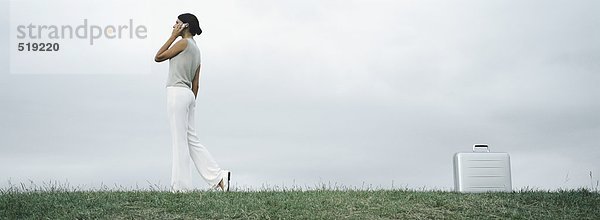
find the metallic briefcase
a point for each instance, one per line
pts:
(482, 170)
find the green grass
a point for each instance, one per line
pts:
(57, 203)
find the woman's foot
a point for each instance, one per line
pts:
(224, 184)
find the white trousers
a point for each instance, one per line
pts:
(181, 105)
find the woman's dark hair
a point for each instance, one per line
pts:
(191, 19)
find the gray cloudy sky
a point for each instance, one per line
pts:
(347, 92)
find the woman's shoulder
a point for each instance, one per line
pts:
(183, 42)
(193, 43)
(181, 45)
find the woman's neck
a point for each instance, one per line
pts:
(186, 35)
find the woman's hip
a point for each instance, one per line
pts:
(179, 95)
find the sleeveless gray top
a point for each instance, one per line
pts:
(182, 67)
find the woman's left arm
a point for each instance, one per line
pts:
(165, 53)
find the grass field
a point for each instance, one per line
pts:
(56, 203)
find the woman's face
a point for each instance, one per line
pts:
(177, 22)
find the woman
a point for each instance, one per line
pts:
(182, 90)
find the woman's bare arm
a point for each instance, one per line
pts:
(165, 53)
(196, 81)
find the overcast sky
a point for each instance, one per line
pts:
(340, 92)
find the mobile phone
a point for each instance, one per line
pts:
(185, 25)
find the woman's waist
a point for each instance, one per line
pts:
(178, 86)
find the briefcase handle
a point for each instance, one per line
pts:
(481, 148)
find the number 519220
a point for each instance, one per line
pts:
(38, 46)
